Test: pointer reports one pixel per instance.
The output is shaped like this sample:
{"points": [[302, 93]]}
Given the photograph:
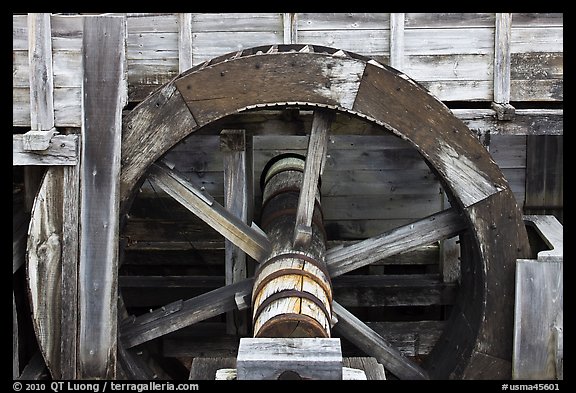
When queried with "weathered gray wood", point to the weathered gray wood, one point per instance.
{"points": [[502, 58], [43, 269], [290, 24], [237, 199], [105, 95], [41, 75], [69, 285], [313, 168], [544, 174], [62, 150], [37, 140], [397, 40], [185, 54], [428, 230], [253, 242], [539, 302], [132, 364], [269, 358], [551, 232], [197, 309], [374, 345], [372, 369]]}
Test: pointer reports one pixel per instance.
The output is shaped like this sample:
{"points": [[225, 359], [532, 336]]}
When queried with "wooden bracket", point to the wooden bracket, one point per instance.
{"points": [[38, 140], [504, 112]]}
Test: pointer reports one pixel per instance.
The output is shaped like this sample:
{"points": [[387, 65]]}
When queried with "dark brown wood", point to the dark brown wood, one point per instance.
{"points": [[373, 344], [193, 310], [104, 89]]}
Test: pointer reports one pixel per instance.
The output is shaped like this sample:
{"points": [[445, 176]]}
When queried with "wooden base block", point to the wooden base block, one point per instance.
{"points": [[298, 358]]}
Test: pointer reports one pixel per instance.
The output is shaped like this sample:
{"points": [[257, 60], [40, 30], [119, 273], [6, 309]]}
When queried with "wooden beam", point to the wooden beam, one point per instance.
{"points": [[290, 27], [159, 322], [374, 345], [502, 38], [192, 197], [185, 53], [551, 232], [397, 40], [41, 75], [436, 227], [315, 160], [237, 200], [69, 284], [104, 96], [62, 150]]}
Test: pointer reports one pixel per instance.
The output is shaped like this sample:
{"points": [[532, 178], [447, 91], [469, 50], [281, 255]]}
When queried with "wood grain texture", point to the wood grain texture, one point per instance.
{"points": [[62, 150], [538, 311], [503, 34], [105, 94]]}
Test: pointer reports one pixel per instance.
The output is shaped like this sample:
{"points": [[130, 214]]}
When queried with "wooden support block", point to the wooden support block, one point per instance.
{"points": [[551, 232], [61, 150], [504, 111], [270, 358], [37, 140]]}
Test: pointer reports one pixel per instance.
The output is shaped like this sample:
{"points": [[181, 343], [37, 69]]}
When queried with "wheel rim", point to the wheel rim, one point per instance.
{"points": [[384, 97]]}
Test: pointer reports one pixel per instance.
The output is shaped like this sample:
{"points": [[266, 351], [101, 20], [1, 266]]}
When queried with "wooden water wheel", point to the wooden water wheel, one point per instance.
{"points": [[476, 339]]}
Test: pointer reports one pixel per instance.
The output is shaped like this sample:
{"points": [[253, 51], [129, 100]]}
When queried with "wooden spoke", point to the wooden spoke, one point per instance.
{"points": [[315, 159], [433, 228], [374, 345], [252, 241], [180, 314]]}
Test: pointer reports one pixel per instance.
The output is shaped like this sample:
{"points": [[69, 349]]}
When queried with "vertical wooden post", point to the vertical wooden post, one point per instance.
{"points": [[503, 33], [41, 75], [185, 55], [397, 40], [237, 197], [69, 288], [104, 96], [290, 29], [41, 94]]}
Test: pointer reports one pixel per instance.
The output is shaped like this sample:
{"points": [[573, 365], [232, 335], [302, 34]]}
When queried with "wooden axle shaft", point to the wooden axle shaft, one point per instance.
{"points": [[292, 295]]}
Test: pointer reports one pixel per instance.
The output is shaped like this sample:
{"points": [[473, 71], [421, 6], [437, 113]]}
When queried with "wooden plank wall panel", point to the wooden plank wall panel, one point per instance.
{"points": [[537, 57], [509, 152], [151, 53], [217, 34], [452, 55], [365, 33]]}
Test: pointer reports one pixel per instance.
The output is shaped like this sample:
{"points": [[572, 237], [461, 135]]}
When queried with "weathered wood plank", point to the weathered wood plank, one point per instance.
{"points": [[44, 266], [372, 369], [192, 311], [538, 309], [537, 39], [428, 230], [449, 20], [69, 285], [313, 168], [438, 41], [207, 209], [372, 43], [41, 74], [290, 27], [62, 150], [144, 130], [343, 21], [269, 358], [397, 40], [237, 200], [105, 94], [237, 22], [502, 60], [551, 232], [185, 54], [356, 331]]}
